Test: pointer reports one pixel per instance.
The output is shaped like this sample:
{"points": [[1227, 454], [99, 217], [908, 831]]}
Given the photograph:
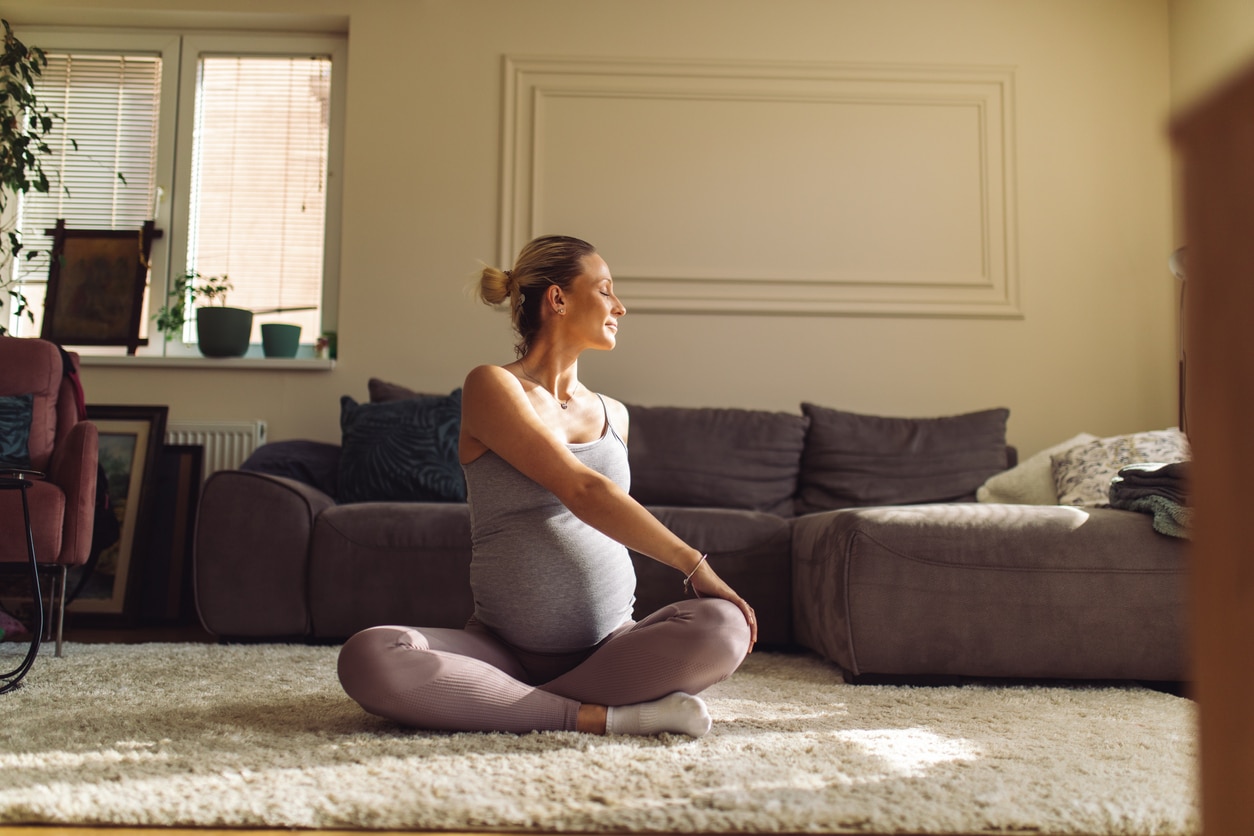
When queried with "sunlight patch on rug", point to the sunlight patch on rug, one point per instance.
{"points": [[909, 752]]}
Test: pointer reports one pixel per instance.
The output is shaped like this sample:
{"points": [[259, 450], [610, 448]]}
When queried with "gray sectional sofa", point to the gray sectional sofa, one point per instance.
{"points": [[854, 536]]}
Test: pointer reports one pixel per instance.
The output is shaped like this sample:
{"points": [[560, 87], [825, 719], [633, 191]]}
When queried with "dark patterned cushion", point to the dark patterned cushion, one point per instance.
{"points": [[853, 461], [401, 451], [15, 418]]}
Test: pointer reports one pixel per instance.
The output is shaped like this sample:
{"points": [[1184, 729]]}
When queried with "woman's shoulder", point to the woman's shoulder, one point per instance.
{"points": [[489, 376]]}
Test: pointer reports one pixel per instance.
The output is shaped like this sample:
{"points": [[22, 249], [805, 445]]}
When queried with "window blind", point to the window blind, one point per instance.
{"points": [[259, 168], [108, 105]]}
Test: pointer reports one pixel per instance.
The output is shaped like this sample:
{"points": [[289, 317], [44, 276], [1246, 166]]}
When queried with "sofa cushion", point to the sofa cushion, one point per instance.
{"points": [[404, 451], [1032, 482], [382, 392], [315, 463], [1082, 474], [15, 418], [715, 458], [750, 550], [853, 460], [389, 563]]}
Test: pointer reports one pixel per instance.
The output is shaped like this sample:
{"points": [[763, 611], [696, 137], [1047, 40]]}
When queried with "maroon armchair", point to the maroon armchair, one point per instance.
{"points": [[62, 447]]}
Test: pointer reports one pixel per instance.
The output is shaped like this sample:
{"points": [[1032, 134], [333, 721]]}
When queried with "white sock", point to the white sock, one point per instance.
{"points": [[678, 712]]}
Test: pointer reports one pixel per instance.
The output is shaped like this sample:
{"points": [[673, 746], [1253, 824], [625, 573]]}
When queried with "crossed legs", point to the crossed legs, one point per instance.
{"points": [[468, 680]]}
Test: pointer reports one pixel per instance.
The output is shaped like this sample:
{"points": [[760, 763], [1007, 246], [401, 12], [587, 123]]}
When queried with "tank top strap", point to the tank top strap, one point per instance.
{"points": [[608, 423]]}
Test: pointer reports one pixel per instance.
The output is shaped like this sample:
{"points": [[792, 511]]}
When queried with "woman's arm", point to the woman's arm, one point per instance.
{"points": [[497, 415]]}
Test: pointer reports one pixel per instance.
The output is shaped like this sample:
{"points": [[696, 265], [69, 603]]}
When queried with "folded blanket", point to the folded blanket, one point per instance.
{"points": [[1158, 489]]}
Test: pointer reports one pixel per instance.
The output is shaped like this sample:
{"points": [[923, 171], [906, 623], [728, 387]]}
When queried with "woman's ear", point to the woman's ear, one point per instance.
{"points": [[556, 298]]}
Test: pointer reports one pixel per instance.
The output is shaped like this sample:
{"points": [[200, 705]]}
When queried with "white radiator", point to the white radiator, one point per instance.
{"points": [[226, 443]]}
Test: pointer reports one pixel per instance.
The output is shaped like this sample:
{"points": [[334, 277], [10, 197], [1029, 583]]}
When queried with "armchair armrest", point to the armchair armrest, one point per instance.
{"points": [[252, 554], [73, 470]]}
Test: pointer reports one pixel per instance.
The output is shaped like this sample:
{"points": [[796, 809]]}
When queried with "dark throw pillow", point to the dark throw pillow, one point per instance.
{"points": [[15, 418], [853, 461], [401, 451], [716, 458], [381, 391], [312, 462]]}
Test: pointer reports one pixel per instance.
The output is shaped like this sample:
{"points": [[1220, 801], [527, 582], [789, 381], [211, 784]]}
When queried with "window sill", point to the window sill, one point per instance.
{"points": [[284, 364]]}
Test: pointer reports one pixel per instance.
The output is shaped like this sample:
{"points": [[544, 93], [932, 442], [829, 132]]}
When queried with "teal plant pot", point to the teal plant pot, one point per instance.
{"points": [[279, 339], [223, 332]]}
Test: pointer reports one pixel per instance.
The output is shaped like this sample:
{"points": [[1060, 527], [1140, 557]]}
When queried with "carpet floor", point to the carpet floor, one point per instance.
{"points": [[262, 736]]}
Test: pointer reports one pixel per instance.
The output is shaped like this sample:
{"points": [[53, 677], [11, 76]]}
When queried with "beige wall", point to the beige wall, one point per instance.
{"points": [[1085, 223], [1211, 40]]}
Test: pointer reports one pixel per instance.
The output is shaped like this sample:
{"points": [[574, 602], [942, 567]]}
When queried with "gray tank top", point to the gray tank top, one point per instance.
{"points": [[543, 579]]}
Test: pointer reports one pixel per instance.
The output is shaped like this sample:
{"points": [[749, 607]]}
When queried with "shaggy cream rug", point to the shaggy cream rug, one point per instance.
{"points": [[243, 736]]}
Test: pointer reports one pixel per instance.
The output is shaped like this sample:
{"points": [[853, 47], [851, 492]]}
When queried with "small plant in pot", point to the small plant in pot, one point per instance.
{"points": [[221, 331]]}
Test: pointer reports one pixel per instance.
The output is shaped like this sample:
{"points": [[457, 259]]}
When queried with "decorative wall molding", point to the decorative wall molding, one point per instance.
{"points": [[749, 187]]}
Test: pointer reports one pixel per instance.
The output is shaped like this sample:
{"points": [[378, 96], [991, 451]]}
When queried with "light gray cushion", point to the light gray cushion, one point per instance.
{"points": [[1031, 482], [715, 458], [853, 460]]}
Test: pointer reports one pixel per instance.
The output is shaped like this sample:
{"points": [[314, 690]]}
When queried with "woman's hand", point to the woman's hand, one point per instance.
{"points": [[706, 583]]}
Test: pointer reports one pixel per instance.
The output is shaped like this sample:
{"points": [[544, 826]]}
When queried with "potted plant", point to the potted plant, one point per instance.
{"points": [[221, 331]]}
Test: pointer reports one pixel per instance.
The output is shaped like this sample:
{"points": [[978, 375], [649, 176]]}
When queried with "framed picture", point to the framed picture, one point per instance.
{"points": [[96, 285], [131, 438], [165, 586]]}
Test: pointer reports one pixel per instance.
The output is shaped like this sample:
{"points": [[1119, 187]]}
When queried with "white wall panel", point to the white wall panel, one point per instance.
{"points": [[857, 188]]}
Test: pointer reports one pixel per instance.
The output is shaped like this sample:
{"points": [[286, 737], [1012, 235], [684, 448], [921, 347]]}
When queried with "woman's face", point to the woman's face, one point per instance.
{"points": [[591, 306]]}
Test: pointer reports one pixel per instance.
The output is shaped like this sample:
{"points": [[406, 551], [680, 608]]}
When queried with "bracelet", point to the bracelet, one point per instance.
{"points": [[688, 579]]}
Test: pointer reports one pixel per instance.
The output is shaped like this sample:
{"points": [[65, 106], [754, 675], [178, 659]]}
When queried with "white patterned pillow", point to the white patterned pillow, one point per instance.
{"points": [[1082, 474]]}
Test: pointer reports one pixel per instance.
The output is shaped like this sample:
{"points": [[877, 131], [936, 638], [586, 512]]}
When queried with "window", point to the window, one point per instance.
{"points": [[230, 142]]}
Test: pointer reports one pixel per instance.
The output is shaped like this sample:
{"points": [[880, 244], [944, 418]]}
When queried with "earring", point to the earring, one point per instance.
{"points": [[562, 311]]}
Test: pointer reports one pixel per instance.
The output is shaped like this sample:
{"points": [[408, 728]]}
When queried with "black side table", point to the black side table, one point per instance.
{"points": [[19, 479]]}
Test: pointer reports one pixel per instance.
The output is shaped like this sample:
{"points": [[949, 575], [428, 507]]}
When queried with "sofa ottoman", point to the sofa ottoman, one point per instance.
{"points": [[991, 590]]}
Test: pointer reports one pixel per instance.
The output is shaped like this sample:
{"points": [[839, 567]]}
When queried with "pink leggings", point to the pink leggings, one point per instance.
{"points": [[471, 680]]}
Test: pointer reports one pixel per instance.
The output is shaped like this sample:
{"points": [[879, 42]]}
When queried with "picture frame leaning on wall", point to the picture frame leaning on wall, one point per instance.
{"points": [[131, 439]]}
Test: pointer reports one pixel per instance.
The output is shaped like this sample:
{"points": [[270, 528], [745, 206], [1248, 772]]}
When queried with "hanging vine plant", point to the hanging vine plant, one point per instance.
{"points": [[24, 126]]}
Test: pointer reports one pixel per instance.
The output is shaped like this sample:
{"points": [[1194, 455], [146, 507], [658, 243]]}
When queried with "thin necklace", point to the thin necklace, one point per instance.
{"points": [[561, 403]]}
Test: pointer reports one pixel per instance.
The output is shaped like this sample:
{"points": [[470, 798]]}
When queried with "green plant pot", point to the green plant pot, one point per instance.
{"points": [[279, 339], [223, 332]]}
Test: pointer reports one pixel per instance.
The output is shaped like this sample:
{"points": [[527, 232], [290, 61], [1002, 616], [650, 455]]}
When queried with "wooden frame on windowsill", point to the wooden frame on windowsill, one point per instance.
{"points": [[96, 284]]}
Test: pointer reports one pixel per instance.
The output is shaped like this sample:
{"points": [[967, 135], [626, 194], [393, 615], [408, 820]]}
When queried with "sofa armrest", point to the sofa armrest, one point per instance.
{"points": [[73, 470], [252, 554]]}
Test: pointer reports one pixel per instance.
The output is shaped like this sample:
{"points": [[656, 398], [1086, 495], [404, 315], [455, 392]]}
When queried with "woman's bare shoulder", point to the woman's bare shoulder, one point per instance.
{"points": [[489, 374], [490, 382], [491, 398]]}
